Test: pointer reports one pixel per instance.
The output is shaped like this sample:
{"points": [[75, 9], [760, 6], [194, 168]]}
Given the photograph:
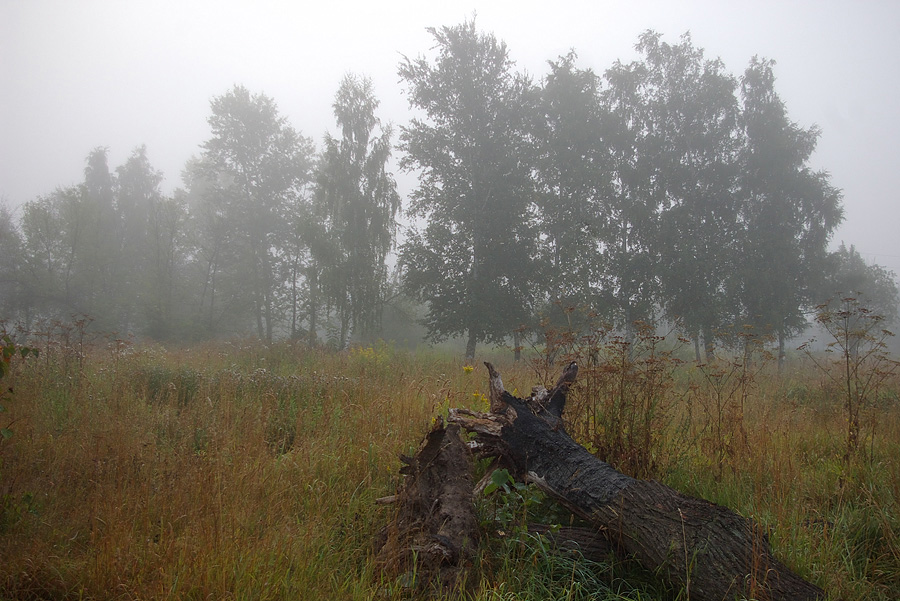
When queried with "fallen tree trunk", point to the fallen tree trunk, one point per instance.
{"points": [[709, 550]]}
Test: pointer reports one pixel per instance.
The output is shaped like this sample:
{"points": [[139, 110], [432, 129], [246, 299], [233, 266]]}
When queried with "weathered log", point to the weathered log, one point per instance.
{"points": [[709, 550], [586, 542], [434, 532]]}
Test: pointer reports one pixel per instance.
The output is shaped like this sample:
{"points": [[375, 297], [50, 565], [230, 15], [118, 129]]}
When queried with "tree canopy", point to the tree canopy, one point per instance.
{"points": [[471, 261], [661, 189]]}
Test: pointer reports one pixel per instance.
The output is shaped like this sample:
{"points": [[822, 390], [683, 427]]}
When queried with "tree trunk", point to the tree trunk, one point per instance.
{"points": [[707, 549], [781, 352], [313, 303], [470, 345], [709, 343]]}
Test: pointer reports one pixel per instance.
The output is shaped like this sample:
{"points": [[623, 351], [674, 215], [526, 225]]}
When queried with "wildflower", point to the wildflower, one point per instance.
{"points": [[468, 369]]}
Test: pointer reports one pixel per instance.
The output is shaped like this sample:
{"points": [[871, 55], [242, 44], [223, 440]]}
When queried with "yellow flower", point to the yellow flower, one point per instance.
{"points": [[468, 369]]}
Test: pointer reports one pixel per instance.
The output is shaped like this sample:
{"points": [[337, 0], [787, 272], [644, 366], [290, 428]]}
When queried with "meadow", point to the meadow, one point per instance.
{"points": [[236, 470]]}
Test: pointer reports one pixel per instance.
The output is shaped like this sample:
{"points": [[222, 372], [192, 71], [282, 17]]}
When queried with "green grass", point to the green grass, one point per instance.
{"points": [[241, 471]]}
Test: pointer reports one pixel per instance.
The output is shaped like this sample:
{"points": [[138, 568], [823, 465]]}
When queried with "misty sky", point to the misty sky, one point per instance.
{"points": [[82, 73]]}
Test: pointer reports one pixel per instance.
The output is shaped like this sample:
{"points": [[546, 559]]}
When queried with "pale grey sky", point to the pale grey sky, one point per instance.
{"points": [[78, 74]]}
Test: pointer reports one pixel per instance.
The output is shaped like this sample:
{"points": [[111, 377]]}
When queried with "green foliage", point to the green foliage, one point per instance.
{"points": [[359, 197], [254, 166], [532, 570], [790, 212], [9, 351], [848, 275], [572, 178], [472, 261], [691, 112], [513, 504]]}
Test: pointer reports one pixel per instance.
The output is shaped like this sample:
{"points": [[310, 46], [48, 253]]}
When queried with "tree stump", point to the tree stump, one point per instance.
{"points": [[433, 534]]}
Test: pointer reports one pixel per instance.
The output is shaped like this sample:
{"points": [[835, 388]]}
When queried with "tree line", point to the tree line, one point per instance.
{"points": [[663, 188]]}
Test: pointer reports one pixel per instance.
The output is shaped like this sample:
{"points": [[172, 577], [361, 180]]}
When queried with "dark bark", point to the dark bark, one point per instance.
{"points": [[707, 549], [434, 532], [470, 345], [587, 542]]}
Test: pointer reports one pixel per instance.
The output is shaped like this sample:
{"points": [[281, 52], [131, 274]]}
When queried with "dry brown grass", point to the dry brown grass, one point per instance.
{"points": [[242, 471]]}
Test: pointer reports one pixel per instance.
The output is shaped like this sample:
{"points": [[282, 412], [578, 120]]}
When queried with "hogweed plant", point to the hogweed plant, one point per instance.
{"points": [[856, 361], [722, 389], [622, 405]]}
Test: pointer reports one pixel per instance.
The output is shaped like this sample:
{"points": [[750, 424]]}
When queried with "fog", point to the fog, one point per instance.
{"points": [[118, 76], [76, 75]]}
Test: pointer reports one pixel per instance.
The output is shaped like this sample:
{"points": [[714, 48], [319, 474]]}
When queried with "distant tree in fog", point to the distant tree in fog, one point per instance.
{"points": [[358, 197], [471, 262], [54, 227], [11, 265], [788, 214], [137, 193], [654, 189], [690, 139], [572, 172], [848, 275], [254, 163], [99, 270]]}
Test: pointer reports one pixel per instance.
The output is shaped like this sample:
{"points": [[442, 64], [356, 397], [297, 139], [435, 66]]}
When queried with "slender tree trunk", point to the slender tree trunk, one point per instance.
{"points": [[313, 303], [708, 343], [268, 298], [470, 345], [780, 351], [294, 298]]}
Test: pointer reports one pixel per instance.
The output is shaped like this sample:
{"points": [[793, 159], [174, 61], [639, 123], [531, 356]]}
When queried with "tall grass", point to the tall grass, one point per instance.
{"points": [[245, 471]]}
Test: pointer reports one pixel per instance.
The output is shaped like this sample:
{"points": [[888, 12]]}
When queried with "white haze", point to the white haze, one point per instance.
{"points": [[79, 74]]}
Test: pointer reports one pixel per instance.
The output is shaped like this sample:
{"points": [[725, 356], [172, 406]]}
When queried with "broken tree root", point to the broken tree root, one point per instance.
{"points": [[433, 534]]}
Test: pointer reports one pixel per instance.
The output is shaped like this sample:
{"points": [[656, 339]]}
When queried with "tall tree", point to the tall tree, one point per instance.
{"points": [[137, 191], [100, 268], [472, 261], [693, 110], [214, 265], [263, 161], [54, 228], [789, 211], [359, 196], [630, 230], [166, 254], [572, 174]]}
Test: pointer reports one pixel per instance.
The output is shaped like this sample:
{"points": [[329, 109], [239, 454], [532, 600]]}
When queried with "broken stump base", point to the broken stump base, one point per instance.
{"points": [[433, 535]]}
